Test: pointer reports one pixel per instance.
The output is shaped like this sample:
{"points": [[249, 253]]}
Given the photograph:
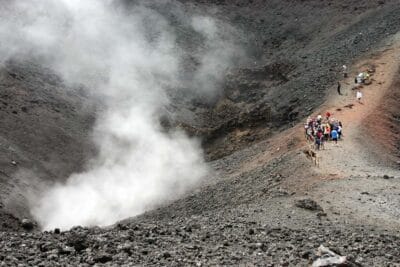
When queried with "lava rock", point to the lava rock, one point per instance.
{"points": [[27, 224], [78, 242], [65, 250], [102, 258], [308, 204]]}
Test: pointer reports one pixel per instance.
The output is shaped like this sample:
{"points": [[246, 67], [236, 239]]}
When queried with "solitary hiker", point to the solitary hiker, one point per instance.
{"points": [[344, 70], [359, 96], [338, 88]]}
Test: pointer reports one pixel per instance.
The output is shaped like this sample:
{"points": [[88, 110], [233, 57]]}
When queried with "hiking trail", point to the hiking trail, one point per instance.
{"points": [[352, 155], [361, 183]]}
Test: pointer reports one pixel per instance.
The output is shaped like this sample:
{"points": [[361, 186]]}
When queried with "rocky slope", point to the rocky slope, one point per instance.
{"points": [[264, 203]]}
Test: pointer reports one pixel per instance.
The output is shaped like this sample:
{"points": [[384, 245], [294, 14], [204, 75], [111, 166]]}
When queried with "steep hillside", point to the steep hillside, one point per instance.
{"points": [[263, 202]]}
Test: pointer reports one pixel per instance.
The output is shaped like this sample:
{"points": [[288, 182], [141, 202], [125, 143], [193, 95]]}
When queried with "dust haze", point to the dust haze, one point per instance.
{"points": [[129, 57]]}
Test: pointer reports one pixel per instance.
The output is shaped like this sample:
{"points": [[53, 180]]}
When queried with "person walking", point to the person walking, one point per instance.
{"points": [[344, 71], [334, 135], [359, 96], [327, 115], [318, 139], [338, 88]]}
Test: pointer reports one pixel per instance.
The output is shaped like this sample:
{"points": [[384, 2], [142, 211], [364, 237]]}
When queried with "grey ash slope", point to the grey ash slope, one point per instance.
{"points": [[45, 133]]}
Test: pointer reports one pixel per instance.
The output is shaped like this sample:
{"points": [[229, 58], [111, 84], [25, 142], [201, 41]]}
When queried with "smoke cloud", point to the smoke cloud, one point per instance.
{"points": [[130, 57]]}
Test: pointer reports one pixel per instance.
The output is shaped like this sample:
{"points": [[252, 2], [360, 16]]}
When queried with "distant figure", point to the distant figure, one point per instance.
{"points": [[359, 96], [338, 88], [344, 70], [327, 115], [319, 119], [334, 135], [360, 78], [327, 131], [318, 139]]}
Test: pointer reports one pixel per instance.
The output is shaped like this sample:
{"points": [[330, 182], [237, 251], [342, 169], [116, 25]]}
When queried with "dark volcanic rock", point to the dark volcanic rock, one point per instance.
{"points": [[308, 204], [27, 224], [102, 258], [78, 241]]}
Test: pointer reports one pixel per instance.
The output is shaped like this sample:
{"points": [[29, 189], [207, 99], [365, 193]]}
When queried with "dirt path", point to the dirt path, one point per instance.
{"points": [[352, 156], [357, 184], [349, 182]]}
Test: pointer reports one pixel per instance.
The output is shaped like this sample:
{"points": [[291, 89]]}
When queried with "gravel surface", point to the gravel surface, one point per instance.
{"points": [[209, 239]]}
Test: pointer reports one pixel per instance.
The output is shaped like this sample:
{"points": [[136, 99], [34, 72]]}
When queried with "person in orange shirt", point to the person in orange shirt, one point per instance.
{"points": [[327, 131]]}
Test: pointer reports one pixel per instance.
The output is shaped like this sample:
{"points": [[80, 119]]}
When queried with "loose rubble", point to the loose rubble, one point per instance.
{"points": [[200, 240]]}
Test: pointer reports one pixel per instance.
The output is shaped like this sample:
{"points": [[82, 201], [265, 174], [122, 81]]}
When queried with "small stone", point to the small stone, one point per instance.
{"points": [[306, 254], [57, 231], [78, 241], [389, 256], [65, 250], [308, 204], [27, 224], [102, 258]]}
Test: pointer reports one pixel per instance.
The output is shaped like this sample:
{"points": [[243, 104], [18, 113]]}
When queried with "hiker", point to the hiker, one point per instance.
{"points": [[339, 131], [309, 134], [334, 135], [360, 78], [327, 131], [318, 139], [327, 115], [338, 88], [344, 70], [359, 96]]}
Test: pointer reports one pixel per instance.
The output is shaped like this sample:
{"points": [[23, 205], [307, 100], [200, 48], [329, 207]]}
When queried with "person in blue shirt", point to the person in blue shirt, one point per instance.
{"points": [[334, 135]]}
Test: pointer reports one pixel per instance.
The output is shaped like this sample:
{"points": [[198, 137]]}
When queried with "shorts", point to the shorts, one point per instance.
{"points": [[334, 139]]}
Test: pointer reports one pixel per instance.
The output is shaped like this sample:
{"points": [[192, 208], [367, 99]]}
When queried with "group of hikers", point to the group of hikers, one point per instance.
{"points": [[321, 129]]}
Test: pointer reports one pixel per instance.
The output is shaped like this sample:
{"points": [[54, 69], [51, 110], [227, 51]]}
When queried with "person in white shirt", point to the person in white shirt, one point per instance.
{"points": [[359, 96], [344, 70]]}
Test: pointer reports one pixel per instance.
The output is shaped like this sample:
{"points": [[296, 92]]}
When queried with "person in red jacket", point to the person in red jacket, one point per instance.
{"points": [[327, 115]]}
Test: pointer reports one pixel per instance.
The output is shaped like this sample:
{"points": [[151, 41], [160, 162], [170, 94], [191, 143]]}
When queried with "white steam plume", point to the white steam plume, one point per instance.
{"points": [[131, 57]]}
